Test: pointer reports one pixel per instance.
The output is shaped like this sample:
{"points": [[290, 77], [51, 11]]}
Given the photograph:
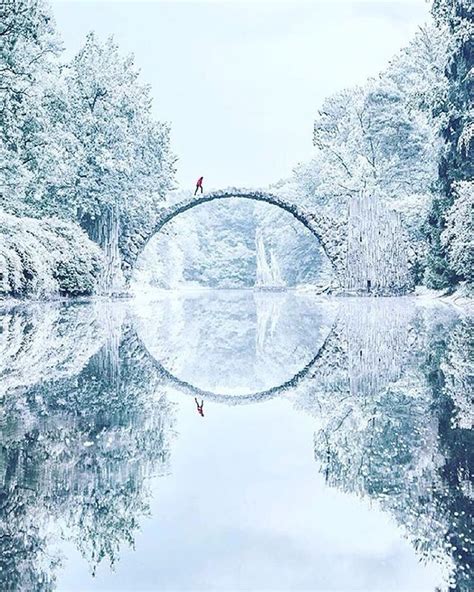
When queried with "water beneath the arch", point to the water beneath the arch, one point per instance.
{"points": [[236, 440]]}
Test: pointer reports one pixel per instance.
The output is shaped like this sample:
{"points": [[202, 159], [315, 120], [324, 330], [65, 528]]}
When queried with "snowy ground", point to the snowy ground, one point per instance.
{"points": [[463, 296]]}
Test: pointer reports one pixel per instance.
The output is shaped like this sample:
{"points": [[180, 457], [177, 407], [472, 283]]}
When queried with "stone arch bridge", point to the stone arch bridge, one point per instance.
{"points": [[319, 225], [366, 243]]}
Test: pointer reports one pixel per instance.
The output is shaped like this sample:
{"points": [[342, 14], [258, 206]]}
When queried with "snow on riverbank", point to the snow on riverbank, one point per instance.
{"points": [[463, 296]]}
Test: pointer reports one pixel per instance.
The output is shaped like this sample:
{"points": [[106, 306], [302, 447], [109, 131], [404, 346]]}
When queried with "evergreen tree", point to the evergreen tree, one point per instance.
{"points": [[457, 163], [458, 236]]}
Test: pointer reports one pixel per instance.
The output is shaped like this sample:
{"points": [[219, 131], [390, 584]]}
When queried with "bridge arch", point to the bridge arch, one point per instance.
{"points": [[310, 221]]}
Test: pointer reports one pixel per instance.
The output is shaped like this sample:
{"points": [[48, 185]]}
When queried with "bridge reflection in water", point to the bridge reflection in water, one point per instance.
{"points": [[87, 417]]}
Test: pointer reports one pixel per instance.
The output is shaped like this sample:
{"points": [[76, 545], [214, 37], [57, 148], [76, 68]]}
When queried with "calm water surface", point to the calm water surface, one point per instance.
{"points": [[333, 451]]}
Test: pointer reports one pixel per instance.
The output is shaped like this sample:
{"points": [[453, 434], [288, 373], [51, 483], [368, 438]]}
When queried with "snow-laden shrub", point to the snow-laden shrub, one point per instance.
{"points": [[45, 258]]}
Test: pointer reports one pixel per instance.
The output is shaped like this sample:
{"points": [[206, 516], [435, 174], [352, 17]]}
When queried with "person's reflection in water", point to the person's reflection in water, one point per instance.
{"points": [[199, 407]]}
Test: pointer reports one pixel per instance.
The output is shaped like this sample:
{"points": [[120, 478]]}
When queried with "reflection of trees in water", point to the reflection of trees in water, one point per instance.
{"points": [[458, 373], [75, 456], [392, 388], [405, 437], [47, 341], [450, 376]]}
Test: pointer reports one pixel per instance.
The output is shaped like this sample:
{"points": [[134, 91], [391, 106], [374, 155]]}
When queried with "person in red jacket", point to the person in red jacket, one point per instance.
{"points": [[199, 185], [200, 409]]}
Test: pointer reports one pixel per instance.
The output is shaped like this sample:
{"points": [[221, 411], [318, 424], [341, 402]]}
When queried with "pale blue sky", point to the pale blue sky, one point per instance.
{"points": [[241, 82]]}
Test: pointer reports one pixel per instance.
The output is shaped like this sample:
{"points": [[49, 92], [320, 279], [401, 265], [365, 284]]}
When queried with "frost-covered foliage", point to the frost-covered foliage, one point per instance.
{"points": [[32, 140], [457, 125], [122, 157], [387, 137], [77, 140], [382, 138], [123, 164], [458, 17], [380, 135], [46, 257], [458, 236], [370, 139]]}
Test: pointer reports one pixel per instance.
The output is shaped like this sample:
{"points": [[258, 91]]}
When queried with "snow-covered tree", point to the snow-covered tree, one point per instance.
{"points": [[383, 137], [77, 142], [31, 156], [458, 236], [457, 163], [123, 163], [458, 17], [371, 140]]}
